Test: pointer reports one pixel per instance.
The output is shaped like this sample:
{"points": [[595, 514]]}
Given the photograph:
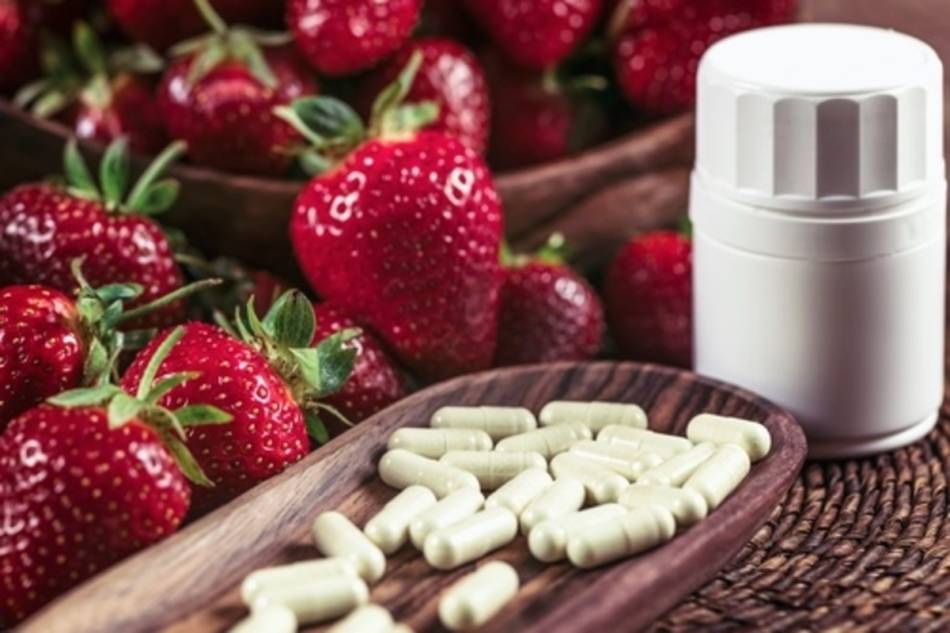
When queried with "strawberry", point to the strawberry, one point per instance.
{"points": [[657, 44], [446, 18], [270, 381], [341, 37], [538, 34], [649, 298], [219, 98], [402, 230], [43, 227], [161, 23], [21, 24], [549, 313], [450, 76]]}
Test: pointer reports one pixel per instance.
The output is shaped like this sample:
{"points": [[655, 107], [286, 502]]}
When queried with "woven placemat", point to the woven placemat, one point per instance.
{"points": [[858, 545]]}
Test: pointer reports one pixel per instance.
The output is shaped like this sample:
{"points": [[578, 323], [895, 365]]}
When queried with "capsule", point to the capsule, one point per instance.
{"points": [[687, 506], [470, 538], [370, 618], [548, 441], [627, 462], [401, 469], [634, 532], [593, 415], [563, 497], [547, 541], [660, 443], [270, 577], [389, 529], [435, 443], [751, 437], [720, 475], [316, 600], [273, 619], [335, 535], [493, 469], [677, 469], [498, 422], [460, 504], [478, 597], [602, 485], [520, 491]]}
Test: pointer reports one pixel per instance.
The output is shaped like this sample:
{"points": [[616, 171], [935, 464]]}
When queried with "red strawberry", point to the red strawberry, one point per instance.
{"points": [[44, 227], [21, 23], [658, 43], [549, 313], [127, 109], [161, 23], [450, 76], [538, 34], [341, 37], [649, 298]]}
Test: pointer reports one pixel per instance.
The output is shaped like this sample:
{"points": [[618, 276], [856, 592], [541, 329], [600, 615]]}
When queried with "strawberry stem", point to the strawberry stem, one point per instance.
{"points": [[171, 297], [211, 17], [141, 189]]}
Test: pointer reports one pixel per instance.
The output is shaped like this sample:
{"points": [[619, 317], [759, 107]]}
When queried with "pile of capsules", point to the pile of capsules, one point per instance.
{"points": [[639, 487]]}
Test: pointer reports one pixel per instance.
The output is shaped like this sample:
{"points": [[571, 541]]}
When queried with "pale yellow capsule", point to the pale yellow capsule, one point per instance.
{"points": [[751, 437], [593, 415], [677, 469], [493, 469], [316, 600], [273, 619], [720, 475], [660, 443], [401, 469], [498, 422], [563, 497], [548, 441], [335, 535], [271, 577], [451, 509], [470, 538], [687, 506], [478, 597], [435, 443], [370, 618], [627, 462], [520, 491], [389, 529], [632, 533], [547, 541], [602, 485]]}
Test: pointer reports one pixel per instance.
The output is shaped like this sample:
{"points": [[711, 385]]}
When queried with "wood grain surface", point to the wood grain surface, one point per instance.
{"points": [[188, 583]]}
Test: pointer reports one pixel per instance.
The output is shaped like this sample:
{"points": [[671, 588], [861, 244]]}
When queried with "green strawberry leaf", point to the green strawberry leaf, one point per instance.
{"points": [[118, 292], [244, 48], [114, 173], [143, 188], [158, 198], [206, 61], [330, 119], [409, 118], [151, 370], [166, 384], [171, 297], [257, 328], [316, 428], [89, 49], [201, 415], [97, 364], [395, 93], [185, 460], [326, 367], [84, 397], [122, 409], [138, 59], [78, 177], [290, 320]]}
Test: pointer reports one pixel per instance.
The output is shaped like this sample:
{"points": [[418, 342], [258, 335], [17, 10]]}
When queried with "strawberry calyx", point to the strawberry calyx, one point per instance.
{"points": [[554, 252], [123, 408], [332, 129]]}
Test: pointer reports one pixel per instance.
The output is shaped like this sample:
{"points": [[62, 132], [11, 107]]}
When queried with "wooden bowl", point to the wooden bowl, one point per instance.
{"points": [[597, 199], [188, 583]]}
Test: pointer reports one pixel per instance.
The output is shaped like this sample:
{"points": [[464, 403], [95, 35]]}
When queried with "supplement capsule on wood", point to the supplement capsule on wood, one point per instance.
{"points": [[476, 598], [316, 600], [520, 491], [498, 422], [564, 496], [335, 535], [593, 415], [435, 443], [493, 469], [687, 506], [677, 469], [632, 533], [548, 441], [547, 541], [401, 469], [270, 577], [660, 443], [602, 485], [273, 619], [470, 538], [720, 474], [751, 437], [370, 618], [389, 529], [627, 462], [451, 509]]}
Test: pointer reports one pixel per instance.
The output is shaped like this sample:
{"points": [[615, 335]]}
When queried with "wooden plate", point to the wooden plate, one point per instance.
{"points": [[189, 583]]}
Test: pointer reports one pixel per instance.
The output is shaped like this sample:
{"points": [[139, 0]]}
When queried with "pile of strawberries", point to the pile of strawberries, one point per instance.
{"points": [[142, 384]]}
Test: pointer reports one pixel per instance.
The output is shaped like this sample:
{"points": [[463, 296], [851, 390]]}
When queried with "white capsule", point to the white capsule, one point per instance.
{"points": [[547, 541], [335, 535], [632, 533], [662, 444], [389, 529], [627, 462], [687, 506], [478, 597], [720, 475], [401, 469], [498, 422], [449, 510], [548, 441], [316, 600], [564, 496], [470, 538], [271, 577], [273, 619], [677, 469], [493, 469], [593, 415], [370, 618], [435, 443], [520, 491], [401, 628], [751, 437], [602, 485]]}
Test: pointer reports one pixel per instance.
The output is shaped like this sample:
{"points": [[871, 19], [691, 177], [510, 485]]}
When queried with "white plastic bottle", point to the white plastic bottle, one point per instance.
{"points": [[819, 208]]}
